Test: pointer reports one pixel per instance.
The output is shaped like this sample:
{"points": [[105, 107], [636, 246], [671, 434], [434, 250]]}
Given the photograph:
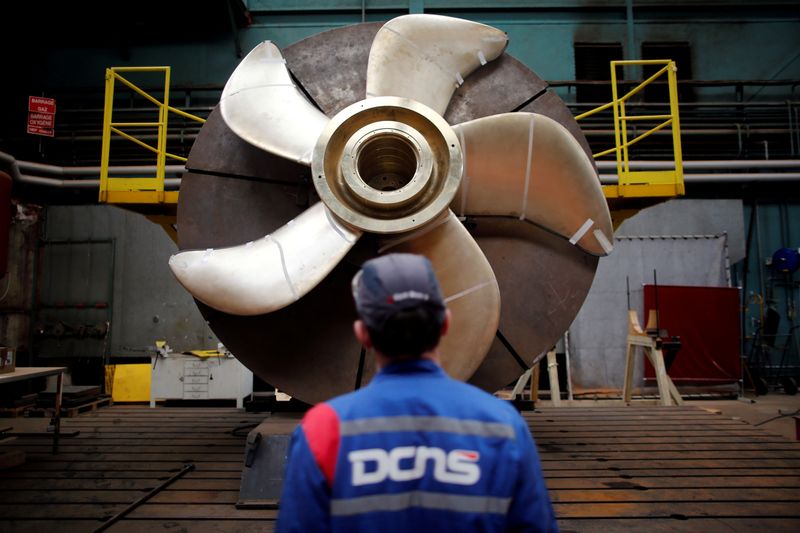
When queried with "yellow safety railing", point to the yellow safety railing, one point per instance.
{"points": [[638, 184], [137, 190]]}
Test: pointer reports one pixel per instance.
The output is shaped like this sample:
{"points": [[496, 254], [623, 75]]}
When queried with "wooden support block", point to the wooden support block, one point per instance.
{"points": [[552, 369], [519, 389], [629, 364], [668, 393], [657, 360]]}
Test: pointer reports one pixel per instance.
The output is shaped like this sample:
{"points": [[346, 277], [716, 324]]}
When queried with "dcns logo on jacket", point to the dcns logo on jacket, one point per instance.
{"points": [[406, 463]]}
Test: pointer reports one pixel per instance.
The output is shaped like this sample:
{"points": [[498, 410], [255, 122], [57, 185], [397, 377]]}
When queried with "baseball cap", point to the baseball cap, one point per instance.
{"points": [[395, 282]]}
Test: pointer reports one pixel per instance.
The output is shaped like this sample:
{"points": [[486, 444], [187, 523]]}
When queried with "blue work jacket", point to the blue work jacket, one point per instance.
{"points": [[414, 451]]}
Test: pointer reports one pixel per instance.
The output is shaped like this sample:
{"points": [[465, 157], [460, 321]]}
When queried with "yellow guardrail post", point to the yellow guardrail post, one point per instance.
{"points": [[138, 190], [615, 107], [639, 184], [106, 142], [163, 110], [672, 79]]}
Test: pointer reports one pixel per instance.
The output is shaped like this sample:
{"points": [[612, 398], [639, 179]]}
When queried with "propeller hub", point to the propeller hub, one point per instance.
{"points": [[387, 165]]}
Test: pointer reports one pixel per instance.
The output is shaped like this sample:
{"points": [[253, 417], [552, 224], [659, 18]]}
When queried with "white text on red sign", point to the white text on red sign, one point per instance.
{"points": [[36, 130], [42, 120], [40, 104]]}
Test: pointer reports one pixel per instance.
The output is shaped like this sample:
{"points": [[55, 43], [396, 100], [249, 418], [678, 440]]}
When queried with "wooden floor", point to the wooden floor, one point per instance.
{"points": [[608, 469]]}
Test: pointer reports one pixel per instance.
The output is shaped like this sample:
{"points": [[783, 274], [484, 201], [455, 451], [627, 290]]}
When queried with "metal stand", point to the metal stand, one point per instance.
{"points": [[264, 464]]}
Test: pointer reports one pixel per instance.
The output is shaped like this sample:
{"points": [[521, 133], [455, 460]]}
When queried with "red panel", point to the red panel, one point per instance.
{"points": [[707, 321]]}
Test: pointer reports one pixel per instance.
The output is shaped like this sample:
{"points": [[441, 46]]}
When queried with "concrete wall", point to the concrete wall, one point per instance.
{"points": [[17, 286], [650, 240], [146, 302], [733, 40]]}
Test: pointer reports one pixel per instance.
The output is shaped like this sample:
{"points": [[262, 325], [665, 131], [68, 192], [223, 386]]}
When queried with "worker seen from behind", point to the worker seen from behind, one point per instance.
{"points": [[415, 450]]}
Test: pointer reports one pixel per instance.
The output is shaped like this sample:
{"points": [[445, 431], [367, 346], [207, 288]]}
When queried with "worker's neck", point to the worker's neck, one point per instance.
{"points": [[383, 361]]}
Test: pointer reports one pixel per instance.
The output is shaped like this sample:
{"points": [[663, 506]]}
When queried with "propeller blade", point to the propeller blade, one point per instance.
{"points": [[427, 57], [529, 166], [270, 273], [468, 285], [263, 106]]}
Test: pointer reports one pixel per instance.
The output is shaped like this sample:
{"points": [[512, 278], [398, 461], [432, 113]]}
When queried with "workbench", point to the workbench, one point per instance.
{"points": [[23, 373]]}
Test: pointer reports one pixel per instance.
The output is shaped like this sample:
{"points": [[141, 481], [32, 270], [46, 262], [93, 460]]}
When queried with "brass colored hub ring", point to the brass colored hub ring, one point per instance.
{"points": [[384, 163], [387, 165]]}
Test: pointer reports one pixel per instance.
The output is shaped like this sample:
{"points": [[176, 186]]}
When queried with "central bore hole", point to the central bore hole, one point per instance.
{"points": [[387, 162]]}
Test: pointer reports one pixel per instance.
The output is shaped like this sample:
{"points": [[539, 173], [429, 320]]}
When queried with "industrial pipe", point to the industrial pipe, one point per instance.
{"points": [[73, 171], [15, 166]]}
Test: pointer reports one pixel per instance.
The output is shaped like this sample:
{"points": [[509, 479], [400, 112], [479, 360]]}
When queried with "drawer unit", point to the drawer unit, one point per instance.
{"points": [[186, 377]]}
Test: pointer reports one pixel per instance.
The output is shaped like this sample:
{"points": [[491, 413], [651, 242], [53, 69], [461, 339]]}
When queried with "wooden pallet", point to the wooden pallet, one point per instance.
{"points": [[14, 412], [607, 469], [74, 411]]}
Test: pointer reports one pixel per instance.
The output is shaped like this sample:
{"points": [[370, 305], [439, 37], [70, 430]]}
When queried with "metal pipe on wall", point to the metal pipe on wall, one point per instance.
{"points": [[15, 166], [74, 171], [78, 183]]}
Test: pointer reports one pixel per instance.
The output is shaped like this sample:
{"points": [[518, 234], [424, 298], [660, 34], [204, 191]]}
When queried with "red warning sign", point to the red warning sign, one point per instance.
{"points": [[42, 120], [41, 115], [40, 104]]}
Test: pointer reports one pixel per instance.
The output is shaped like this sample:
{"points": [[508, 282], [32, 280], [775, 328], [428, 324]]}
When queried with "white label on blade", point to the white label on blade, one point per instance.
{"points": [[581, 231]]}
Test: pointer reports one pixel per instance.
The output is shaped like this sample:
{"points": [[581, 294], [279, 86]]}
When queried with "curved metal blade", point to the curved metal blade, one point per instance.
{"points": [[270, 273], [529, 166], [469, 287], [263, 106], [426, 57]]}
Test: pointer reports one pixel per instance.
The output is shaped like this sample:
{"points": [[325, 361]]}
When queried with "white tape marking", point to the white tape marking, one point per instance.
{"points": [[581, 231], [527, 172], [465, 292], [603, 241]]}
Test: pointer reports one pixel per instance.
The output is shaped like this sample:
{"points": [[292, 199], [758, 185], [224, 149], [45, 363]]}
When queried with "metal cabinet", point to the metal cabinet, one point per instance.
{"points": [[186, 377]]}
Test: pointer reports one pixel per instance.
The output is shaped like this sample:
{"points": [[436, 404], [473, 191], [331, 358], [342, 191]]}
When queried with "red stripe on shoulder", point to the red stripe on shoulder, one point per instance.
{"points": [[321, 428]]}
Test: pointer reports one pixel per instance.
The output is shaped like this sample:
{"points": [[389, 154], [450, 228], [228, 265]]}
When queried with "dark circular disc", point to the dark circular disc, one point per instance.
{"points": [[543, 281], [234, 193]]}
